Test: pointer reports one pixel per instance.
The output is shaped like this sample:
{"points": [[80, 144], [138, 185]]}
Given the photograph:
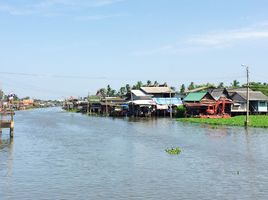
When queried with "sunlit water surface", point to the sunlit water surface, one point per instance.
{"points": [[59, 155]]}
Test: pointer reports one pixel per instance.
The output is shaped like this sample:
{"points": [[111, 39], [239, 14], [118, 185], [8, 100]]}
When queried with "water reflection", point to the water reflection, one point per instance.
{"points": [[60, 155], [6, 156]]}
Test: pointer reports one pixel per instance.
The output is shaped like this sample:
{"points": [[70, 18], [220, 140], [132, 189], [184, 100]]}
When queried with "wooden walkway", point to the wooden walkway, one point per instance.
{"points": [[7, 121]]}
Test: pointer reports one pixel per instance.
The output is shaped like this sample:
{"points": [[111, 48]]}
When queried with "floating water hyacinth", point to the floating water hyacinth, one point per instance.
{"points": [[173, 151]]}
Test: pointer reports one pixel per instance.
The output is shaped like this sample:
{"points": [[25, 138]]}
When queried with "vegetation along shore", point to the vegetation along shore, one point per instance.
{"points": [[257, 121]]}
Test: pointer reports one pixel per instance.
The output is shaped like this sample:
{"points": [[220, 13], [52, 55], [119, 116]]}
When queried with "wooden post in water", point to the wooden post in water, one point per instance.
{"points": [[7, 123], [11, 130]]}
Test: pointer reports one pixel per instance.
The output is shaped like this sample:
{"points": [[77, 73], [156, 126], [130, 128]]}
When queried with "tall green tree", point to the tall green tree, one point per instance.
{"points": [[122, 92], [149, 83], [128, 88], [1, 94], [139, 85], [191, 86], [109, 90], [182, 89], [221, 85], [156, 84], [235, 84]]}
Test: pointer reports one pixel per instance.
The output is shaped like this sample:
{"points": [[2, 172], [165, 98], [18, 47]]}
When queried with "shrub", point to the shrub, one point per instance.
{"points": [[181, 111]]}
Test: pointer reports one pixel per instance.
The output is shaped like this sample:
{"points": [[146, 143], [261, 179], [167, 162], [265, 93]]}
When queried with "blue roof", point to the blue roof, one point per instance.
{"points": [[168, 101]]}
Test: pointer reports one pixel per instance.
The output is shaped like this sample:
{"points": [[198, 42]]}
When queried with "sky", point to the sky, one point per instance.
{"points": [[53, 49]]}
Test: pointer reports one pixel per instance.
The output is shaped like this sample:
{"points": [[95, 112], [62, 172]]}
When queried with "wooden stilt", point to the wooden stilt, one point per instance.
{"points": [[7, 123]]}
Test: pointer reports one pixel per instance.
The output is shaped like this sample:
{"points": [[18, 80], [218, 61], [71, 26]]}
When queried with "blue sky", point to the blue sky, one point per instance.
{"points": [[58, 48]]}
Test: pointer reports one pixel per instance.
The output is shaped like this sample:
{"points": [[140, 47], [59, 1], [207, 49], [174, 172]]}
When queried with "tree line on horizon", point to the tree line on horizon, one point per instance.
{"points": [[126, 89]]}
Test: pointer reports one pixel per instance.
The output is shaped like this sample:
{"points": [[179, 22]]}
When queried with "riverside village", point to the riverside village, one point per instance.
{"points": [[159, 100], [156, 100], [133, 100]]}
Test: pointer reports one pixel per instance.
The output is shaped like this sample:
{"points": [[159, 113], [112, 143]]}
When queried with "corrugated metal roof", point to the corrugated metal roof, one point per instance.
{"points": [[139, 93], [253, 96], [218, 93], [157, 90], [167, 101], [195, 96]]}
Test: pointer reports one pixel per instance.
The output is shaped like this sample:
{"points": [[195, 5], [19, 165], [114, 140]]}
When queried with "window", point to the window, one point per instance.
{"points": [[262, 104]]}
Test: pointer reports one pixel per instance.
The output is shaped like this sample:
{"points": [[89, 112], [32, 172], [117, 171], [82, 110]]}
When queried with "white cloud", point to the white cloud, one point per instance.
{"points": [[212, 40]]}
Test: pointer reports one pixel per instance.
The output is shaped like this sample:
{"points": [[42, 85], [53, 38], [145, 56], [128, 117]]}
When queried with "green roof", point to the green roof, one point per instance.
{"points": [[195, 96]]}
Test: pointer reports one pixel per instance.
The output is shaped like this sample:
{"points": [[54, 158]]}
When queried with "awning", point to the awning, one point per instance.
{"points": [[143, 102], [168, 101], [162, 107]]}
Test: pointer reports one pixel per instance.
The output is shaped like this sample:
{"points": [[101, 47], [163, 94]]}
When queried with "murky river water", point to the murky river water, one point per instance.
{"points": [[58, 155]]}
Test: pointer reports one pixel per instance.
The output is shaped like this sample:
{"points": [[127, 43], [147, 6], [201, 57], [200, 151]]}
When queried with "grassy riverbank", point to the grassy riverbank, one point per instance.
{"points": [[260, 121]]}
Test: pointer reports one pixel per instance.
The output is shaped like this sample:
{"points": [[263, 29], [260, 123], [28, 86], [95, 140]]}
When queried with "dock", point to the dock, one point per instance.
{"points": [[7, 121]]}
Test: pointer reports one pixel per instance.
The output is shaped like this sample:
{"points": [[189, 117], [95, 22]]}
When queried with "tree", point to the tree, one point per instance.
{"points": [[235, 84], [26, 98], [122, 92], [182, 89], [1, 94], [156, 84], [108, 90], [191, 86], [128, 88], [102, 92], [149, 83], [139, 85], [221, 85]]}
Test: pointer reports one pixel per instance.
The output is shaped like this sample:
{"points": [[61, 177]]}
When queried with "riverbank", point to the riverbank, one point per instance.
{"points": [[257, 121]]}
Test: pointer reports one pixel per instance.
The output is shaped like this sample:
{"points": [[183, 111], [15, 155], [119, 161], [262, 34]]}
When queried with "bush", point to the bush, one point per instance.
{"points": [[181, 111]]}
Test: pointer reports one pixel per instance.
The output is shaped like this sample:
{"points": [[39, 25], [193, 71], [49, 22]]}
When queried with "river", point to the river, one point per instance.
{"points": [[59, 155]]}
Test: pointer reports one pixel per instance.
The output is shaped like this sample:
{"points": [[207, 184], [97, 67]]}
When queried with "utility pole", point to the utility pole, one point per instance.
{"points": [[88, 103], [170, 104], [247, 116], [106, 103]]}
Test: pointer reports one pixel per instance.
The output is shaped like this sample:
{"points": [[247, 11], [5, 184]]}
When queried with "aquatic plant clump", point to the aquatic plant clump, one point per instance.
{"points": [[173, 151]]}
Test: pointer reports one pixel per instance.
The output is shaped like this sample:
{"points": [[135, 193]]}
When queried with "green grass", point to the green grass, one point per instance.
{"points": [[258, 121]]}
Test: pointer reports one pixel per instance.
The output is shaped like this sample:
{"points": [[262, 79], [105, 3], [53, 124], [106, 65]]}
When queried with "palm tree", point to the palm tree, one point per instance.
{"points": [[221, 85], [109, 90], [149, 83], [156, 84], [235, 84], [128, 88], [1, 94], [191, 86], [182, 90], [122, 91], [139, 85]]}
